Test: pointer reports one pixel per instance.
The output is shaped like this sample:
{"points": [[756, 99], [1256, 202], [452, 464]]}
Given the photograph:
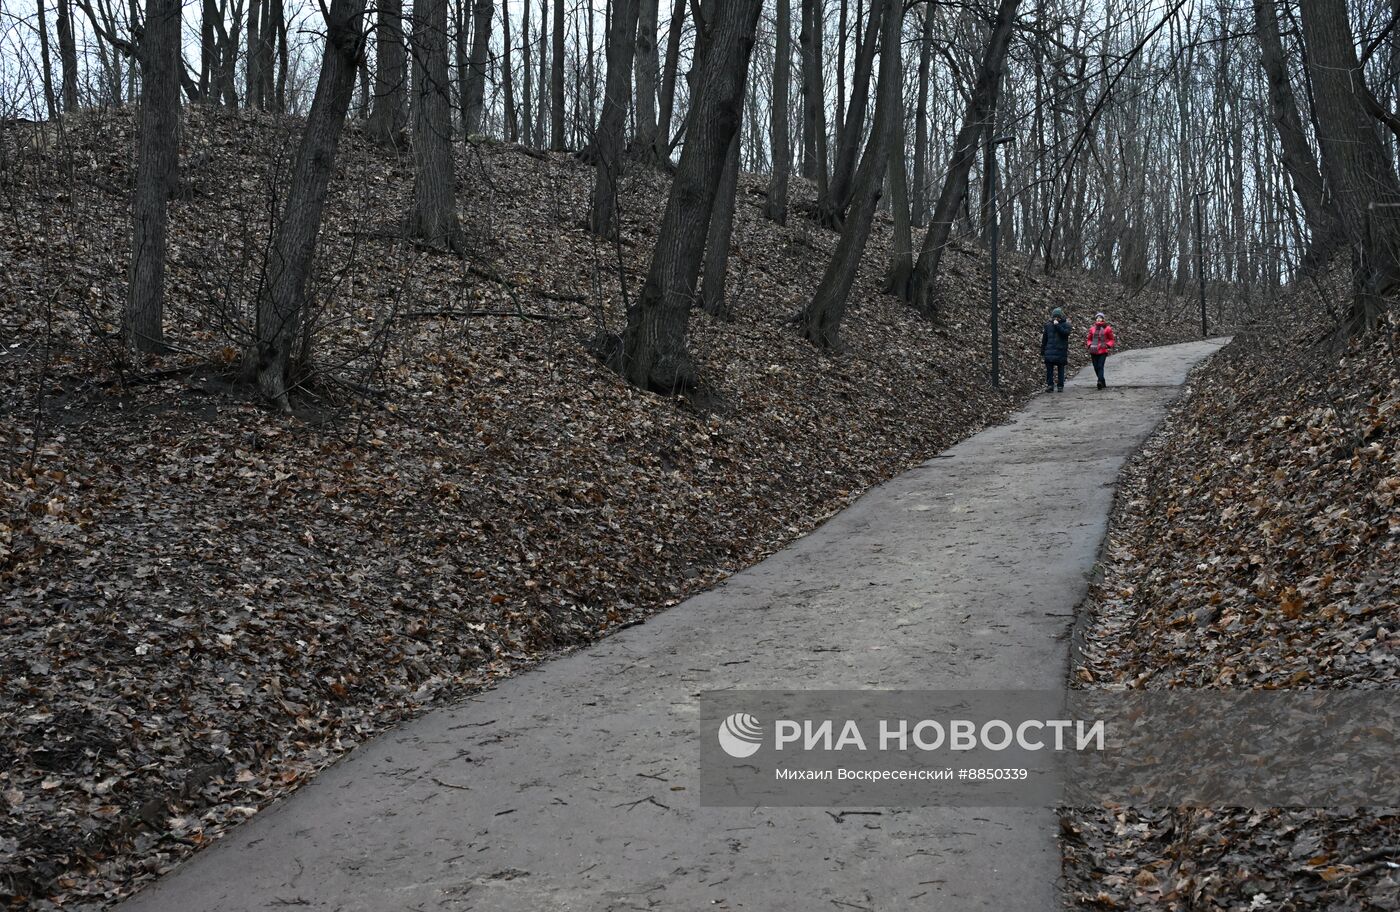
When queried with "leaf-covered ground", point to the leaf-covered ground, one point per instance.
{"points": [[1256, 544], [203, 603]]}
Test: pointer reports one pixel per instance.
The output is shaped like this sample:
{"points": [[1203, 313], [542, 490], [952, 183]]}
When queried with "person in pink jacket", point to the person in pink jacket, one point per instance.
{"points": [[1100, 345]]}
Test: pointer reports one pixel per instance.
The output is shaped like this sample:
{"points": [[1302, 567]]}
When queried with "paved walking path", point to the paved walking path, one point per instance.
{"points": [[962, 573]]}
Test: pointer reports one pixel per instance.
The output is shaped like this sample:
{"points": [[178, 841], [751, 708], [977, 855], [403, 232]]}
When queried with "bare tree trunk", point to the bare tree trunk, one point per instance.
{"points": [[461, 44], [1298, 160], [282, 306], [653, 352], [208, 48], [541, 108], [776, 205], [67, 56], [608, 142], [644, 144], [902, 253], [721, 232], [556, 85], [920, 289], [434, 215], [389, 117], [820, 322], [1363, 183], [848, 141], [45, 62], [267, 42], [527, 72], [476, 74], [511, 129], [252, 75], [283, 55], [919, 202], [814, 164], [158, 55], [666, 103]]}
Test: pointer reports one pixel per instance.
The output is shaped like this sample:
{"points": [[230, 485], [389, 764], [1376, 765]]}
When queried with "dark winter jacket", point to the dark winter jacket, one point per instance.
{"points": [[1054, 342]]}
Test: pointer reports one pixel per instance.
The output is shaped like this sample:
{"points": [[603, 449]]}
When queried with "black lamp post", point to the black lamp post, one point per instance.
{"points": [[995, 239], [1201, 262]]}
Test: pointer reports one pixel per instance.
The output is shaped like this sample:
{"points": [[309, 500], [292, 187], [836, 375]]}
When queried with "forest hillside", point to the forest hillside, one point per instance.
{"points": [[205, 602]]}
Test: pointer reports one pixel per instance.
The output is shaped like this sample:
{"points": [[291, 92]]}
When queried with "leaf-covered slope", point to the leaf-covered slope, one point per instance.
{"points": [[1257, 544]]}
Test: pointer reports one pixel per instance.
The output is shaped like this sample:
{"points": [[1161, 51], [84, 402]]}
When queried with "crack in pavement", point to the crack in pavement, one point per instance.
{"points": [[962, 573]]}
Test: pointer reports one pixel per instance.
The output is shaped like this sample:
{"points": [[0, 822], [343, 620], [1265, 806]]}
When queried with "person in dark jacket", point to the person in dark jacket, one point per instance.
{"points": [[1054, 348]]}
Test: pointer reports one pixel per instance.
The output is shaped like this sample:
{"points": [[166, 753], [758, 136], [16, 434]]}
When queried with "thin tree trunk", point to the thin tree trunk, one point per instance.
{"points": [[50, 101], [820, 322], [527, 72], [666, 104], [67, 56], [473, 103], [541, 108], [721, 232], [461, 43], [556, 85], [814, 164], [653, 351], [776, 205], [608, 142], [919, 216], [511, 129], [281, 310], [902, 254], [842, 39], [648, 67], [851, 133], [156, 165], [434, 215], [251, 71], [920, 289], [389, 117]]}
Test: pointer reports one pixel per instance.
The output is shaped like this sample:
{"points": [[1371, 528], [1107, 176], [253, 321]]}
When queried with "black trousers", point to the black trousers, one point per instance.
{"points": [[1050, 371], [1098, 365]]}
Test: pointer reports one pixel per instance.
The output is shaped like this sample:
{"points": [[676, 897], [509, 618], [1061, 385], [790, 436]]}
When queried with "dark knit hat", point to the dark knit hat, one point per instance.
{"points": [[1057, 312]]}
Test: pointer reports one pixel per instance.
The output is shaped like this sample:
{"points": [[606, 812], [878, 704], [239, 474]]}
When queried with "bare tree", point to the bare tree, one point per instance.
{"points": [[475, 97], [833, 205], [556, 82], [281, 308], [389, 115], [814, 164], [648, 69], [776, 205], [820, 322], [721, 232], [919, 194], [67, 55], [158, 55], [653, 354], [919, 290], [607, 145], [434, 216], [667, 101], [1365, 186]]}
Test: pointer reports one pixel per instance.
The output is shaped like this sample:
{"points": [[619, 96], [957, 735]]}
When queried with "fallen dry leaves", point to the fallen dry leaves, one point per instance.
{"points": [[1256, 544]]}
